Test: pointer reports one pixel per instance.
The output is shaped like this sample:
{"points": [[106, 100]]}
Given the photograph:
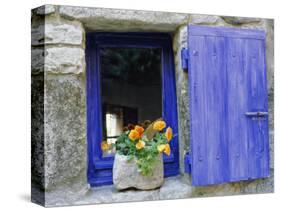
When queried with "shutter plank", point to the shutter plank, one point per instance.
{"points": [[208, 87], [257, 101], [237, 104], [198, 121], [216, 109]]}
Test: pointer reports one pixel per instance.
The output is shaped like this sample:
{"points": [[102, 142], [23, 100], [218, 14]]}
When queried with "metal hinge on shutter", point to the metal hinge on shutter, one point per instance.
{"points": [[184, 59], [187, 163]]}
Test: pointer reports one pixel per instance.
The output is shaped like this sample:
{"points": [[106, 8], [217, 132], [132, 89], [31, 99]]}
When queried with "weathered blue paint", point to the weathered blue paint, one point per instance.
{"points": [[99, 168], [227, 76]]}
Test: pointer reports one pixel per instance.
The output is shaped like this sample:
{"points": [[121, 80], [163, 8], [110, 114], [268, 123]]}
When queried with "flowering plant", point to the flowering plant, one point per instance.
{"points": [[145, 144]]}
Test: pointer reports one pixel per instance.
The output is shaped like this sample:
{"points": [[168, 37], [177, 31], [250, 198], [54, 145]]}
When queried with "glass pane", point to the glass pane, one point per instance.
{"points": [[131, 89]]}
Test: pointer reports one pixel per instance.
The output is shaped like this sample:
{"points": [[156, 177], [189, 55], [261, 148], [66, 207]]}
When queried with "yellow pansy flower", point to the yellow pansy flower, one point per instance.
{"points": [[167, 149], [140, 144], [159, 125], [104, 146], [161, 147]]}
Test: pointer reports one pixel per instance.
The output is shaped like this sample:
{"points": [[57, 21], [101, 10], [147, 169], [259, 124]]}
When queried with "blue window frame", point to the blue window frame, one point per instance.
{"points": [[100, 168]]}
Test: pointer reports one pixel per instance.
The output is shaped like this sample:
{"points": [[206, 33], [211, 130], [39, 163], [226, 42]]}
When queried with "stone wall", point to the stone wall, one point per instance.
{"points": [[58, 65], [59, 150]]}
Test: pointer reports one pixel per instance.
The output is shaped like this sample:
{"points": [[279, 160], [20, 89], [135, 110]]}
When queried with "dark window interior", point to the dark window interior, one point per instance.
{"points": [[131, 88]]}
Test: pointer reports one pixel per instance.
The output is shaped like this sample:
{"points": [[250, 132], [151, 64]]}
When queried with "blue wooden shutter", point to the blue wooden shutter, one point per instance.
{"points": [[227, 78]]}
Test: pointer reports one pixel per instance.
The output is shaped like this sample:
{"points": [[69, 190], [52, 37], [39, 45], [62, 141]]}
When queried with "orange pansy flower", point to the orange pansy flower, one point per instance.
{"points": [[139, 129], [133, 135], [169, 133]]}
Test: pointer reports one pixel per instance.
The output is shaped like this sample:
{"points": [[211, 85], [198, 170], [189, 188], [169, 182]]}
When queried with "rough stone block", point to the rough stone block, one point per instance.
{"points": [[37, 130], [45, 9], [65, 133], [265, 185], [124, 20], [217, 190], [57, 31], [240, 20], [37, 60], [175, 189], [269, 27], [204, 19], [180, 41], [63, 60]]}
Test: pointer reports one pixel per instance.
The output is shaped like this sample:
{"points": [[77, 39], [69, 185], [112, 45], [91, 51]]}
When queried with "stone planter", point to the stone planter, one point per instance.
{"points": [[126, 174]]}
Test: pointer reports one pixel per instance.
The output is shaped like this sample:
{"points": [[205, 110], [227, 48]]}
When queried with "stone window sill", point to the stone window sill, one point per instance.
{"points": [[173, 188]]}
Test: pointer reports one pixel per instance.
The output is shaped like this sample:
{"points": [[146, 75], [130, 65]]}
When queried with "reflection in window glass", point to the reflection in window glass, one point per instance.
{"points": [[114, 124], [131, 89]]}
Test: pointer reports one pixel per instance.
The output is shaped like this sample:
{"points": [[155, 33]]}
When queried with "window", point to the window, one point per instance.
{"points": [[131, 90], [228, 98], [130, 80]]}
